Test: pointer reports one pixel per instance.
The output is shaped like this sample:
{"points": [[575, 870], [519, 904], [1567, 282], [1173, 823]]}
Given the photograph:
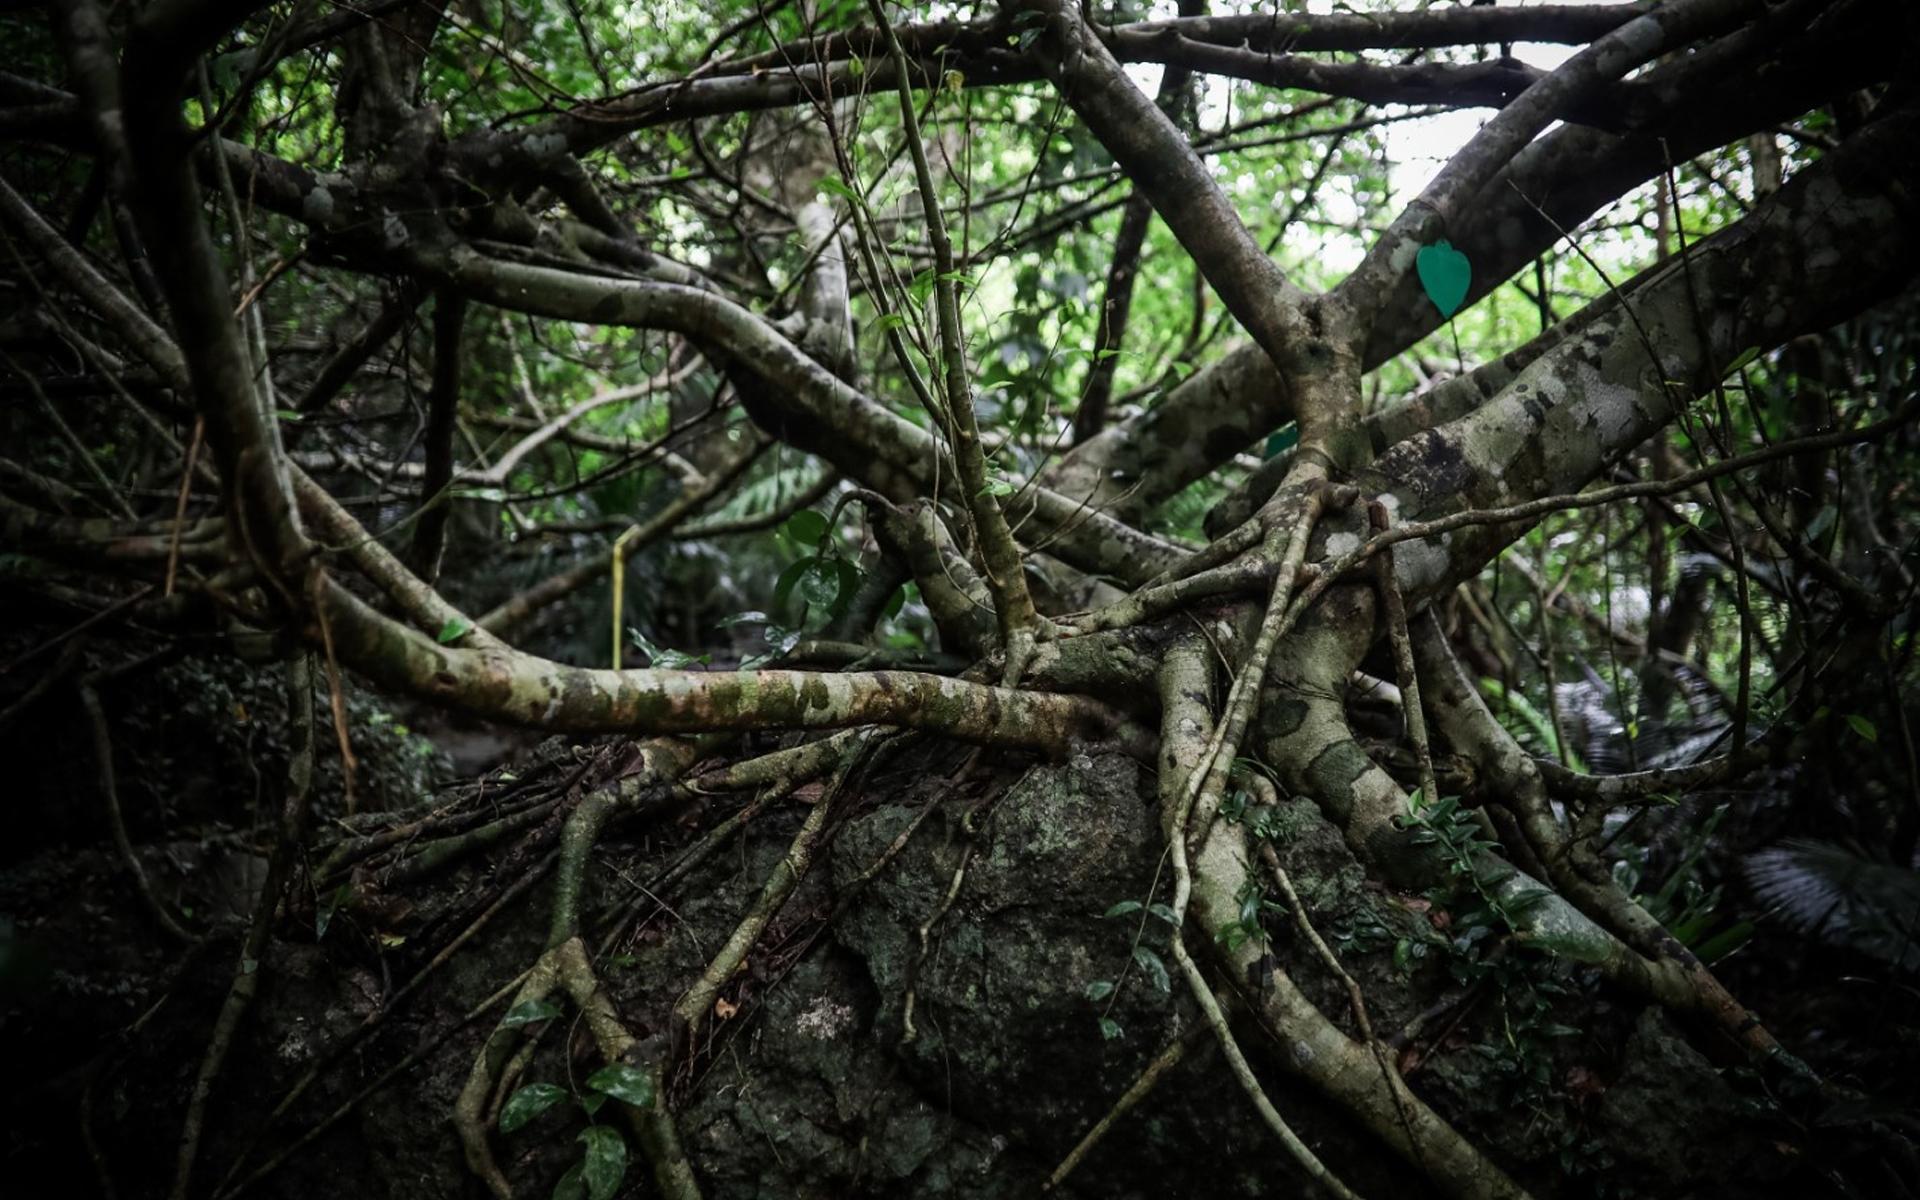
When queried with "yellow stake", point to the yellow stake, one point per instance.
{"points": [[619, 586]]}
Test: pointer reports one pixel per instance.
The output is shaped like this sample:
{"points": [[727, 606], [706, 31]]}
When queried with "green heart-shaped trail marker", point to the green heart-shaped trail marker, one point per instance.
{"points": [[1445, 273]]}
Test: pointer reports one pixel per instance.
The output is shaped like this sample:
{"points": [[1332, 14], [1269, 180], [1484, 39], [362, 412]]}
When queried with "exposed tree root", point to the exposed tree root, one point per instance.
{"points": [[1308, 1045], [1356, 1000], [1168, 1058], [565, 966], [691, 1011], [653, 1124], [1573, 867], [1185, 721], [442, 210], [909, 1032]]}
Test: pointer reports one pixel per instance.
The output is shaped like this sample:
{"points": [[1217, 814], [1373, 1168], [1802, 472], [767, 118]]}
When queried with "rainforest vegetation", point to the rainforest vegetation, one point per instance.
{"points": [[832, 598]]}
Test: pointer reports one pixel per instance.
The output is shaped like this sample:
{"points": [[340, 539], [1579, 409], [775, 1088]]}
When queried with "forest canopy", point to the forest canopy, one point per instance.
{"points": [[836, 597]]}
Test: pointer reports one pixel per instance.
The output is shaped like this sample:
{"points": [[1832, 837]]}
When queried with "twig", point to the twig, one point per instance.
{"points": [[696, 1003]]}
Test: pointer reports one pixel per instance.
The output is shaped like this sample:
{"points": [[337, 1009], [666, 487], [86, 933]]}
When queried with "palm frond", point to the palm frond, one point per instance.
{"points": [[1841, 896]]}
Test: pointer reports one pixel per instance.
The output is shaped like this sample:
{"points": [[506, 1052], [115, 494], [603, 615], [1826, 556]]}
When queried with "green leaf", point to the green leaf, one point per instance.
{"points": [[623, 1081], [1526, 898], [825, 585], [1863, 727], [848, 578], [820, 584], [324, 917], [528, 1103], [664, 657], [1164, 912], [1744, 360], [1099, 990], [833, 185], [572, 1185], [605, 1164], [806, 527], [1281, 441], [1123, 908], [224, 71], [783, 586], [1155, 969], [1725, 942], [1821, 523], [779, 641], [894, 605], [453, 630], [1109, 1028], [529, 1013], [1446, 274]]}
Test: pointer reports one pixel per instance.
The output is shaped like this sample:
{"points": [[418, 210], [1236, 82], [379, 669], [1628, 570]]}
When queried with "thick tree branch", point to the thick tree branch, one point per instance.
{"points": [[524, 690], [1840, 235], [868, 441], [1567, 175], [1162, 164], [1433, 212], [1117, 301]]}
